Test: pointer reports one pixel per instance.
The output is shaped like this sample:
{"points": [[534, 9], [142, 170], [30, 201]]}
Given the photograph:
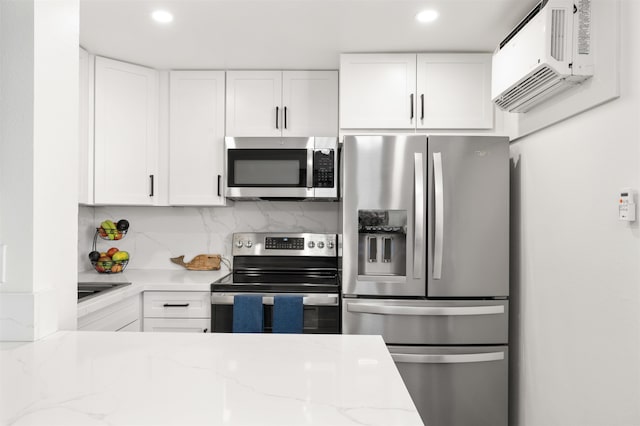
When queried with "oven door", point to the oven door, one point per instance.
{"points": [[269, 168], [321, 312]]}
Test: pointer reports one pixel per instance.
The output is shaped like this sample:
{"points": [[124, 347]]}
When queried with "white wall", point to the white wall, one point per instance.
{"points": [[158, 233], [38, 162], [575, 334]]}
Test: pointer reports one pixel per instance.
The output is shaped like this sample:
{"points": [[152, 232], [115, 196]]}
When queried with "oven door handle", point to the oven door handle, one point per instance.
{"points": [[310, 300]]}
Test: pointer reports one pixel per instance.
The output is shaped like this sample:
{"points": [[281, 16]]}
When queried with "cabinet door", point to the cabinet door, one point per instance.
{"points": [[177, 304], [196, 138], [253, 103], [126, 114], [454, 91], [85, 129], [112, 317], [134, 326], [177, 325], [310, 103], [377, 91]]}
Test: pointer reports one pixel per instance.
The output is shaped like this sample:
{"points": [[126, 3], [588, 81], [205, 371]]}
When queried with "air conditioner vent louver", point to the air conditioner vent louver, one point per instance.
{"points": [[548, 52], [558, 33], [514, 100]]}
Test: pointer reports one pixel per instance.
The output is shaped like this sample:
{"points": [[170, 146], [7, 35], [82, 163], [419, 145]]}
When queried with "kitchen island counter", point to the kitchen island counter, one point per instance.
{"points": [[108, 378]]}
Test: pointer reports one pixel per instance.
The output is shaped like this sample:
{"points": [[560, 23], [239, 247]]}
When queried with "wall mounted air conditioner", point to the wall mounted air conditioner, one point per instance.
{"points": [[547, 52]]}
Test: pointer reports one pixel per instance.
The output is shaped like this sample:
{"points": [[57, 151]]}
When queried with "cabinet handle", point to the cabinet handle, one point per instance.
{"points": [[175, 305], [277, 113], [152, 185], [422, 106], [219, 179], [205, 330], [285, 117], [411, 104]]}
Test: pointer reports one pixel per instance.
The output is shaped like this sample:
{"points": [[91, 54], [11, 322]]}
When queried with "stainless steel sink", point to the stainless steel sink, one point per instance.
{"points": [[89, 290]]}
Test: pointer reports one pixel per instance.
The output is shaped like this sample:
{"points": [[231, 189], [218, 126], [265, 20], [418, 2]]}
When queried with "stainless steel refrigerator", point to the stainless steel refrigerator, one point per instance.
{"points": [[426, 265]]}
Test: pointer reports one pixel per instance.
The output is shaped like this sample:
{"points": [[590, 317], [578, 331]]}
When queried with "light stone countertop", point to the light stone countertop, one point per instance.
{"points": [[108, 378], [145, 280]]}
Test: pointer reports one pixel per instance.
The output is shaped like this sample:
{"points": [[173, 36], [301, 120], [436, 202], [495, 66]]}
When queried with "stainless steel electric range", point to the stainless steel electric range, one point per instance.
{"points": [[303, 264]]}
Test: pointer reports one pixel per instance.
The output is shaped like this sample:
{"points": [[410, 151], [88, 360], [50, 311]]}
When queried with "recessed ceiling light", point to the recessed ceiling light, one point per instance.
{"points": [[162, 16], [427, 16]]}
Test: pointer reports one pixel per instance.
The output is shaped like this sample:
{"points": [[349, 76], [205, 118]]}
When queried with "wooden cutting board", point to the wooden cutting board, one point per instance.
{"points": [[202, 262]]}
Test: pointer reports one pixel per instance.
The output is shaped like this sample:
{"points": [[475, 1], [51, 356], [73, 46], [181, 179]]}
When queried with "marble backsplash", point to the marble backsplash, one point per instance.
{"points": [[159, 233]]}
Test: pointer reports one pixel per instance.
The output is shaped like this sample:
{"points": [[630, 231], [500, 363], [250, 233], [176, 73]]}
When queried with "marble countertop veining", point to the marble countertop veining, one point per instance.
{"points": [[108, 378]]}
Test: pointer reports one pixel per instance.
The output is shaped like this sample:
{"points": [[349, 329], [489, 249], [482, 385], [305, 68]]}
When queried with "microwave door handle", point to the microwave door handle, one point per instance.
{"points": [[418, 238], [439, 216], [310, 168]]}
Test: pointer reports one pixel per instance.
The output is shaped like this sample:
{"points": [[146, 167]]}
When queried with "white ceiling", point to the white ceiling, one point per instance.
{"points": [[288, 34]]}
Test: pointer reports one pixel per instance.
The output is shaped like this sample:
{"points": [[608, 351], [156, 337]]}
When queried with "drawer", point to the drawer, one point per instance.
{"points": [[177, 325], [177, 304], [112, 317], [422, 322], [456, 385]]}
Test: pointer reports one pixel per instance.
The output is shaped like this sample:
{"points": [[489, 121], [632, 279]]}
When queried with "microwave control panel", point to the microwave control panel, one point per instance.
{"points": [[323, 168]]}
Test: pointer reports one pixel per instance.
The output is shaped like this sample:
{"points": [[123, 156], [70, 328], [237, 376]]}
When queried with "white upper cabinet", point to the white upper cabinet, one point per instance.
{"points": [[309, 103], [253, 103], [282, 103], [377, 91], [196, 138], [126, 133], [415, 91], [85, 128], [454, 91]]}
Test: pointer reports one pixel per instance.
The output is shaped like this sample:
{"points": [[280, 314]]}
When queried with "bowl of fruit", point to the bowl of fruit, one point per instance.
{"points": [[110, 262], [110, 230]]}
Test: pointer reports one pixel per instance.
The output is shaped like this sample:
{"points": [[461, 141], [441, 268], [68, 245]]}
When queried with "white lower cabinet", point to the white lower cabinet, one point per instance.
{"points": [[134, 326], [177, 311], [120, 316]]}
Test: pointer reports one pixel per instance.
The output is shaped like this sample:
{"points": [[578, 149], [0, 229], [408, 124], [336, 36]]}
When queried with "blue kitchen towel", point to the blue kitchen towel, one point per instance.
{"points": [[287, 314], [247, 313]]}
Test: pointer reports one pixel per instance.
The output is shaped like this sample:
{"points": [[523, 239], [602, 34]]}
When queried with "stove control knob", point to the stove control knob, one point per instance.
{"points": [[311, 244], [239, 244], [320, 244], [330, 244], [249, 244]]}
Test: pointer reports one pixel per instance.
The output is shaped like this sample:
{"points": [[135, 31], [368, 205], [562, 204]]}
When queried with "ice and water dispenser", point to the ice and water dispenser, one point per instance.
{"points": [[382, 242]]}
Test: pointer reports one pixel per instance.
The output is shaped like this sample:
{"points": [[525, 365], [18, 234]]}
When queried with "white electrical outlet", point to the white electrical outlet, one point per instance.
{"points": [[3, 263]]}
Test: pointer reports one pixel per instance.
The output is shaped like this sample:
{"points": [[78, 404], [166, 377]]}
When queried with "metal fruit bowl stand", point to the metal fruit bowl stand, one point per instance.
{"points": [[110, 234], [109, 266]]}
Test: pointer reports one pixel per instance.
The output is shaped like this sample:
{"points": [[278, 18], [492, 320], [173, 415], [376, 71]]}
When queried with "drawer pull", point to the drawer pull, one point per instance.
{"points": [[175, 305], [366, 308], [446, 358]]}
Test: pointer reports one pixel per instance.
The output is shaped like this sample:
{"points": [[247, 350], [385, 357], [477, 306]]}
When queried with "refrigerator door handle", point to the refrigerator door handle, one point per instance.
{"points": [[447, 358], [418, 239], [424, 310], [439, 216]]}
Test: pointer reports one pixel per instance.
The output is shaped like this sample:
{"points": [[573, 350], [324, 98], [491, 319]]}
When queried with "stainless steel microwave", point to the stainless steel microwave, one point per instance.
{"points": [[281, 168]]}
